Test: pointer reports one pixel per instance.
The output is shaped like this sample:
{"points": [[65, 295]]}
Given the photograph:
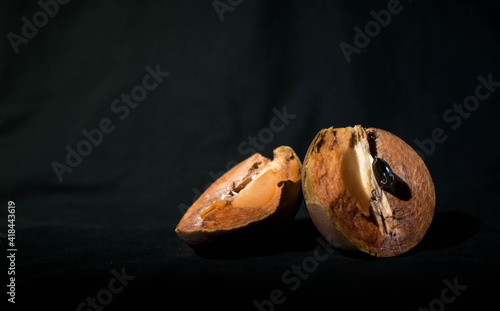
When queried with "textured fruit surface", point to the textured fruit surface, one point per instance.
{"points": [[345, 199], [256, 191]]}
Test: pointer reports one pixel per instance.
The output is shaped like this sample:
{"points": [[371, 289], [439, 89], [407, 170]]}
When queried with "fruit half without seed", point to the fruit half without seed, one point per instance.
{"points": [[255, 194], [367, 190]]}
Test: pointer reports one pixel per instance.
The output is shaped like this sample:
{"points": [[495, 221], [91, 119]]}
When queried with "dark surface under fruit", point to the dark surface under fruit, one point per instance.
{"points": [[119, 207], [70, 263]]}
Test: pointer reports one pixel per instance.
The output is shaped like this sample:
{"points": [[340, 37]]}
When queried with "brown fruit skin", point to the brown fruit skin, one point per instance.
{"points": [[412, 202], [192, 230]]}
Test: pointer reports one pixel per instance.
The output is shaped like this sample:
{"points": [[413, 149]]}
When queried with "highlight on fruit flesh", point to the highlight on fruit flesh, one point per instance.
{"points": [[256, 191], [367, 190]]}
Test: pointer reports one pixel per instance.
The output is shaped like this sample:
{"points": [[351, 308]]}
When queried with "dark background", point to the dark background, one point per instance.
{"points": [[119, 207]]}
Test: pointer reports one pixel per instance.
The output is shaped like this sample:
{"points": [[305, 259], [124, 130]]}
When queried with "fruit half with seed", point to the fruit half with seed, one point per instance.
{"points": [[367, 190], [254, 195]]}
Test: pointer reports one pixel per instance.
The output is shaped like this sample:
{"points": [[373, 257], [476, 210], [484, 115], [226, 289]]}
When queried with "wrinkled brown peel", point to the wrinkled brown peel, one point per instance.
{"points": [[255, 193], [347, 205]]}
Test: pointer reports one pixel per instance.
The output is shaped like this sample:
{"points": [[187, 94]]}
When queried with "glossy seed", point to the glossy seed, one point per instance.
{"points": [[383, 173]]}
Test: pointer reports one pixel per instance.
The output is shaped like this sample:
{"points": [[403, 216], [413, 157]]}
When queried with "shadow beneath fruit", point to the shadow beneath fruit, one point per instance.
{"points": [[299, 235], [353, 254], [448, 229]]}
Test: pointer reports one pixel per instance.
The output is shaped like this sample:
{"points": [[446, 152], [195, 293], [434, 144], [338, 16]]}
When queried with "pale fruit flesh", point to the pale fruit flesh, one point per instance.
{"points": [[256, 192], [344, 198]]}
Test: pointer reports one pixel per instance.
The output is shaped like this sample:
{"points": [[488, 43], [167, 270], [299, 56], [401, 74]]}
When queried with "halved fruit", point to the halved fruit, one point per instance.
{"points": [[367, 190], [256, 193]]}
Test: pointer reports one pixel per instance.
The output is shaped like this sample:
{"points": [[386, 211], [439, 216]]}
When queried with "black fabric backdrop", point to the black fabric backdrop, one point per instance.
{"points": [[229, 74]]}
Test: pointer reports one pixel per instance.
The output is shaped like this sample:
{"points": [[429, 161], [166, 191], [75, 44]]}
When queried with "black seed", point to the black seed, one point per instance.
{"points": [[383, 173]]}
